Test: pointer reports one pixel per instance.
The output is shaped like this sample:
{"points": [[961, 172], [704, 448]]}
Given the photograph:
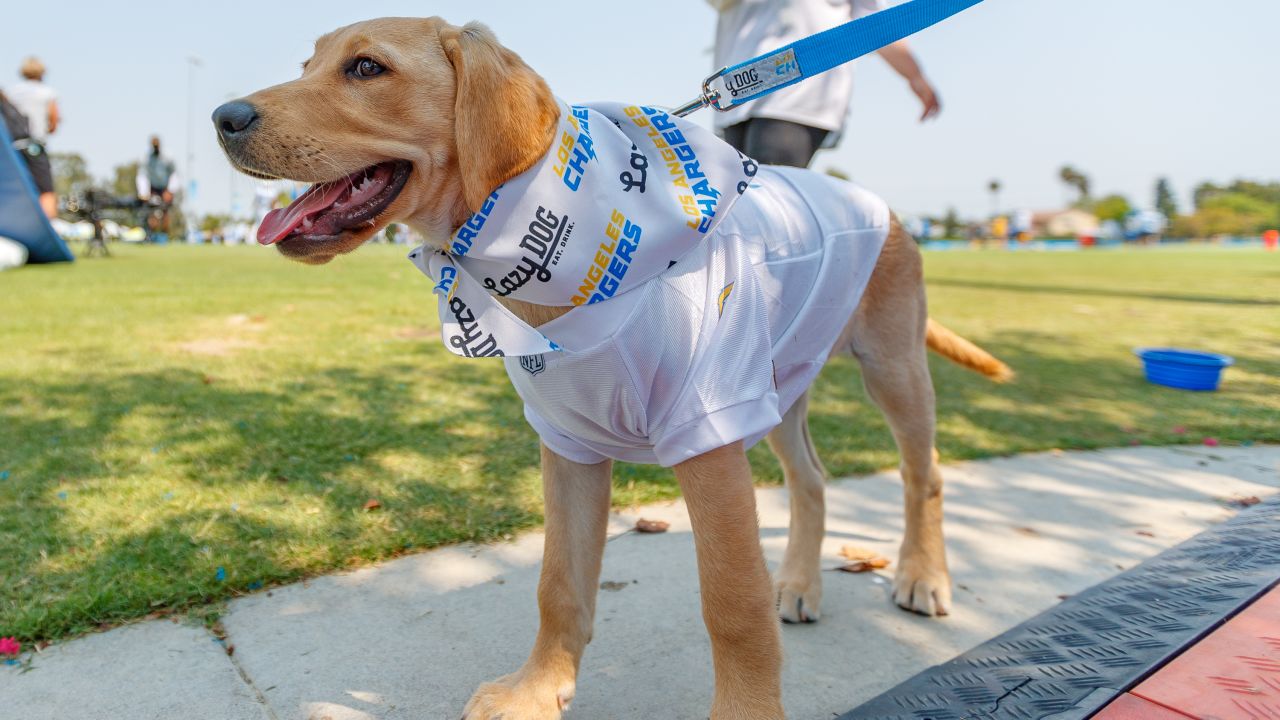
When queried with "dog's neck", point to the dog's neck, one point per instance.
{"points": [[438, 223]]}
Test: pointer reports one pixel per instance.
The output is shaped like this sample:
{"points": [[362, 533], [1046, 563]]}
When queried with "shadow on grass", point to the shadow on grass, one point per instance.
{"points": [[1108, 292], [122, 484], [178, 450]]}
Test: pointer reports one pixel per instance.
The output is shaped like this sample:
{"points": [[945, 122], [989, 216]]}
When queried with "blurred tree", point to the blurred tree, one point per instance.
{"points": [[1077, 181], [993, 187], [1266, 192], [1112, 207], [124, 182], [1202, 192], [1244, 207], [1244, 214], [214, 222], [951, 224], [1165, 201], [70, 173]]}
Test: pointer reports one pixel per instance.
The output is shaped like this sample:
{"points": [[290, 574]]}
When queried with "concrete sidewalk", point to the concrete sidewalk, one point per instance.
{"points": [[413, 637]]}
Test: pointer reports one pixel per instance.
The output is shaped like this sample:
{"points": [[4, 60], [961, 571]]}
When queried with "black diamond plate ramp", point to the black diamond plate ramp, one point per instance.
{"points": [[1069, 661]]}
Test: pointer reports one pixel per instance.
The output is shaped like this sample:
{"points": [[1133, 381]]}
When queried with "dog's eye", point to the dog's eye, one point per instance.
{"points": [[364, 67]]}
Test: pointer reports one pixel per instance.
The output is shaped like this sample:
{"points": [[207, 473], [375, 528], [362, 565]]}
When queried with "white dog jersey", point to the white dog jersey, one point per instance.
{"points": [[708, 291], [716, 348]]}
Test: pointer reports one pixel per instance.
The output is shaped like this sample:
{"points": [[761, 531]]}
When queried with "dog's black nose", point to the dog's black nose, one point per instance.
{"points": [[234, 118]]}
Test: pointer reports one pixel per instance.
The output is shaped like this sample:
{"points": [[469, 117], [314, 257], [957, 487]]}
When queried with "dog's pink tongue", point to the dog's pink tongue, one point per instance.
{"points": [[279, 223]]}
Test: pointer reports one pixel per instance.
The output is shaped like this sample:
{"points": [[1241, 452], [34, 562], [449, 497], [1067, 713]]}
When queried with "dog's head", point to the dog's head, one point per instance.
{"points": [[393, 120]]}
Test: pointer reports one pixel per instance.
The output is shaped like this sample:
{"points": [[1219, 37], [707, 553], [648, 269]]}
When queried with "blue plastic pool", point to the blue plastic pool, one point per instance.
{"points": [[1183, 369]]}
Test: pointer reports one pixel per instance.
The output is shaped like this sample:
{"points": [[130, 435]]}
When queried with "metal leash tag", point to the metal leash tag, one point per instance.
{"points": [[739, 84]]}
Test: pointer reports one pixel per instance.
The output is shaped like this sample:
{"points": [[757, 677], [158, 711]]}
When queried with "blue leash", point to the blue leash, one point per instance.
{"points": [[735, 85]]}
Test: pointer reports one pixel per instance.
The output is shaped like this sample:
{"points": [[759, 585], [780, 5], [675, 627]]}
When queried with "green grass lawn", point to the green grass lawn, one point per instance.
{"points": [[173, 411]]}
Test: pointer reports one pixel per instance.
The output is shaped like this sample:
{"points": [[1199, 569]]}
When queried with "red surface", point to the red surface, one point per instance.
{"points": [[1233, 674], [1128, 707]]}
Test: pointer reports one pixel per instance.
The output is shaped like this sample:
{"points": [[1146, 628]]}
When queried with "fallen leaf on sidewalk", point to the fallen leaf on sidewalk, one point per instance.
{"points": [[372, 504], [855, 553], [862, 566], [1243, 502], [1146, 533], [613, 585], [1029, 532], [651, 526]]}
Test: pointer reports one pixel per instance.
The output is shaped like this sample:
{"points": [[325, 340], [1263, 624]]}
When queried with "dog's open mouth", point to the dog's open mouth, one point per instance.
{"points": [[328, 209]]}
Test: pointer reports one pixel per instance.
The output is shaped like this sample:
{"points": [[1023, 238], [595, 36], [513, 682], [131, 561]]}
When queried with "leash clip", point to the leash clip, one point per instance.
{"points": [[709, 97]]}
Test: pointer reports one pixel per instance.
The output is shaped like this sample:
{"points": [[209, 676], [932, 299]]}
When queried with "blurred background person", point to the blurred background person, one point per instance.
{"points": [[39, 103], [787, 127], [156, 183]]}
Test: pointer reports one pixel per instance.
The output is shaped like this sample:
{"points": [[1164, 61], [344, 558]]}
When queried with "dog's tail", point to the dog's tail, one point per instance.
{"points": [[962, 352]]}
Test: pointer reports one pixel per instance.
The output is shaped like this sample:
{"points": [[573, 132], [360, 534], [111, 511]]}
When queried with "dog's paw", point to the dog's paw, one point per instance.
{"points": [[512, 699], [799, 596], [922, 589]]}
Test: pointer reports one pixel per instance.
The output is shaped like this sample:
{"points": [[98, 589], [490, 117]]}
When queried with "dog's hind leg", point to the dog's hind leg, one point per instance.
{"points": [[798, 582], [577, 517], [888, 338]]}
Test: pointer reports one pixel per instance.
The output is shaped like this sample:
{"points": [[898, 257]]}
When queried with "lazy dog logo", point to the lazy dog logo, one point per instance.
{"points": [[698, 198], [613, 258], [470, 340], [762, 75], [543, 245], [575, 149]]}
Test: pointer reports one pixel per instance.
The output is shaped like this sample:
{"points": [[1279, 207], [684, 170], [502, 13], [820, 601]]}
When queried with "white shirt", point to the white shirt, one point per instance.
{"points": [[716, 348], [755, 27], [32, 99]]}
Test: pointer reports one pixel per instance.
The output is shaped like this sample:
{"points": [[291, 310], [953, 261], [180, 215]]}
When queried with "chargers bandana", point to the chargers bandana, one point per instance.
{"points": [[624, 193]]}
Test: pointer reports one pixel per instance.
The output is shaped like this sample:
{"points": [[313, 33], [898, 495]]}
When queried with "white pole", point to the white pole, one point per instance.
{"points": [[193, 62]]}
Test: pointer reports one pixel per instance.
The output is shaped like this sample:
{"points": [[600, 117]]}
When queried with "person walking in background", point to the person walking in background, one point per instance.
{"points": [[39, 103], [787, 127], [156, 182]]}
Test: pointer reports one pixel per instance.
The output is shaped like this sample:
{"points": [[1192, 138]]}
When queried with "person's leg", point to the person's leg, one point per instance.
{"points": [[42, 173], [780, 142]]}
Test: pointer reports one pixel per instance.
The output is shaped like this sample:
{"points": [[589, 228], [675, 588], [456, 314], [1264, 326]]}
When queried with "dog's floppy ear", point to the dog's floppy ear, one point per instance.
{"points": [[505, 114]]}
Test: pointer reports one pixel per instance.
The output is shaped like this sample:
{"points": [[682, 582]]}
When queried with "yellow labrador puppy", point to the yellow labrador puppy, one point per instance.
{"points": [[418, 121]]}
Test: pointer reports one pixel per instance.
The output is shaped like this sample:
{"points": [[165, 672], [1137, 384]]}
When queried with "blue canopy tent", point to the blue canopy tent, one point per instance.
{"points": [[21, 218]]}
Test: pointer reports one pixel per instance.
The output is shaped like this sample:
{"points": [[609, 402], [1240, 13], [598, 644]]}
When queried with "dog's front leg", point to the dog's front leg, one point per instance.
{"points": [[577, 516], [737, 597]]}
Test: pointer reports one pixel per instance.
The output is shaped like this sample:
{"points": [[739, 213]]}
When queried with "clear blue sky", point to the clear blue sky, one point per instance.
{"points": [[1125, 90]]}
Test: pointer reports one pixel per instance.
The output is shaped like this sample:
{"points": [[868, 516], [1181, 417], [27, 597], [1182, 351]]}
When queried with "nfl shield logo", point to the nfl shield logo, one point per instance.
{"points": [[533, 364]]}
